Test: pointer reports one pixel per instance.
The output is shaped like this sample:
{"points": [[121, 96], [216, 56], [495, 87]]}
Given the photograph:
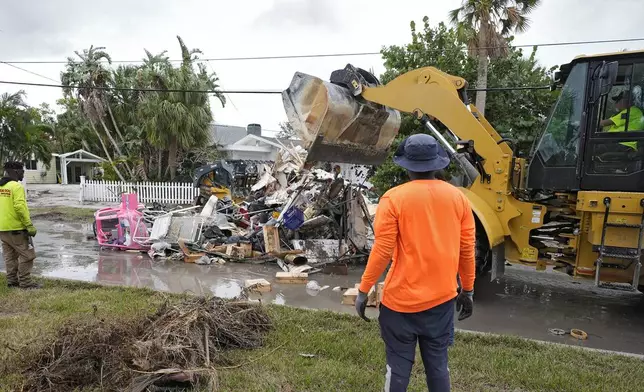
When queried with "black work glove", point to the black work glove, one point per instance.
{"points": [[464, 304], [361, 305]]}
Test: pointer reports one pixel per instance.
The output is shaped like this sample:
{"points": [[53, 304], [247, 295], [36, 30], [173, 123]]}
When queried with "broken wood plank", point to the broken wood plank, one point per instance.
{"points": [[271, 239], [189, 256], [258, 285], [349, 296], [291, 277]]}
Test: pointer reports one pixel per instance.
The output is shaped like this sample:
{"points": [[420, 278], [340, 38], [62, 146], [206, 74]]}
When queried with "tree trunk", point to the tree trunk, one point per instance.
{"points": [[172, 157], [107, 154], [116, 147], [116, 127], [160, 165], [150, 160], [481, 78], [481, 83]]}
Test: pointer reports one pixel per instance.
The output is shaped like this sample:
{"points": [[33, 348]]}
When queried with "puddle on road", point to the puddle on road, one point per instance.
{"points": [[525, 303], [530, 303], [64, 252]]}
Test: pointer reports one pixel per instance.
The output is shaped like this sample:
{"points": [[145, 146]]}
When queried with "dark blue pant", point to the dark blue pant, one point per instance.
{"points": [[432, 329]]}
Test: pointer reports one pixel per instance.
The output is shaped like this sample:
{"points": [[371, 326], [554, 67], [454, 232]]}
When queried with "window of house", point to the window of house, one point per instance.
{"points": [[31, 164]]}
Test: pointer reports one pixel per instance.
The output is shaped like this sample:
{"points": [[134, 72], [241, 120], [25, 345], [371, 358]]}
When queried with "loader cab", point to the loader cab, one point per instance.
{"points": [[594, 138]]}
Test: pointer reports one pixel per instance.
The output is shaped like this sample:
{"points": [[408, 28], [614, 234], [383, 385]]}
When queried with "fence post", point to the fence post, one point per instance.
{"points": [[82, 188]]}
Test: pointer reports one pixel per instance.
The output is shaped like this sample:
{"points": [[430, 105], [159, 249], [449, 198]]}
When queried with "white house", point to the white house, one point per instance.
{"points": [[76, 164], [36, 172], [247, 143]]}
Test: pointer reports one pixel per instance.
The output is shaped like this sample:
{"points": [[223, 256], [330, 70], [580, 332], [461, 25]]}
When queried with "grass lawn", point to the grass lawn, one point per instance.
{"points": [[60, 213], [348, 352]]}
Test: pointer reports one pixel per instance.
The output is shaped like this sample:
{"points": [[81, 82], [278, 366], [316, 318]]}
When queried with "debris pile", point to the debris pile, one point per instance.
{"points": [[178, 347], [305, 219]]}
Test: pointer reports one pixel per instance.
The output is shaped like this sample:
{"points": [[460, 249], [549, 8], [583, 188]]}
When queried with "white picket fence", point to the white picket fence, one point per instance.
{"points": [[148, 192]]}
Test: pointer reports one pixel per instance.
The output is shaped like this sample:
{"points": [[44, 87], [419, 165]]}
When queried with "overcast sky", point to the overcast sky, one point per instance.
{"points": [[53, 29]]}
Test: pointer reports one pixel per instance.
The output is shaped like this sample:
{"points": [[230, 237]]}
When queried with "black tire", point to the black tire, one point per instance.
{"points": [[94, 228], [482, 252]]}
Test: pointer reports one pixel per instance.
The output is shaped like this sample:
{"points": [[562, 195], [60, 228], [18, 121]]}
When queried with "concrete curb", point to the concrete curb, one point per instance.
{"points": [[561, 345]]}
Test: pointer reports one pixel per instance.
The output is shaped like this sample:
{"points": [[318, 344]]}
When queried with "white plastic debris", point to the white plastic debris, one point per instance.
{"points": [[210, 206], [313, 285], [263, 182], [204, 260]]}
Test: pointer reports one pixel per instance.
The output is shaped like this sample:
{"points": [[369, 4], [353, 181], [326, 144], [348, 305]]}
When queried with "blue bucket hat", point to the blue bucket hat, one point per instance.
{"points": [[421, 153]]}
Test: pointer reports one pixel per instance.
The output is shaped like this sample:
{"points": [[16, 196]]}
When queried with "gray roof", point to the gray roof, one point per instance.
{"points": [[224, 135], [286, 142]]}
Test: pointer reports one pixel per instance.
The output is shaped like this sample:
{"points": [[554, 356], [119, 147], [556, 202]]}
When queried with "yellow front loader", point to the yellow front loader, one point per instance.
{"points": [[579, 202]]}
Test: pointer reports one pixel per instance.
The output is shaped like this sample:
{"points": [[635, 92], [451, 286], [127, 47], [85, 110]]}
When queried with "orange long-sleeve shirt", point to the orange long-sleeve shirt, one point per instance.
{"points": [[426, 228]]}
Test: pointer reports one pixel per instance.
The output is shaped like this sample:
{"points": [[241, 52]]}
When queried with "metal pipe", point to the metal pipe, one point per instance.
{"points": [[468, 169], [440, 137]]}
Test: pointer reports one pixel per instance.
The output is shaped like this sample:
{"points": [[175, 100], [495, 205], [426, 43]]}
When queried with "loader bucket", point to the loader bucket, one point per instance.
{"points": [[337, 127]]}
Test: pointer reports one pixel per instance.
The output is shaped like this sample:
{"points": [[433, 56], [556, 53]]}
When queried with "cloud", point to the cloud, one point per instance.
{"points": [[50, 28], [32, 30], [299, 13]]}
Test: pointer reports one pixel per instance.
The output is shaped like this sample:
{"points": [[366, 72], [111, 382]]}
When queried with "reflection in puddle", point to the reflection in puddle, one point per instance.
{"points": [[279, 299], [227, 288]]}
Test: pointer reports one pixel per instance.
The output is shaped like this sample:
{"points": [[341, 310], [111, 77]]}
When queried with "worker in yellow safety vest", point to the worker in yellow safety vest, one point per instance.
{"points": [[625, 120], [16, 229]]}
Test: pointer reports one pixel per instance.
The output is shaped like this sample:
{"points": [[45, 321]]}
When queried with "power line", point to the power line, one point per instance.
{"points": [[321, 55], [294, 56], [226, 91], [28, 71], [510, 88], [606, 41], [144, 90]]}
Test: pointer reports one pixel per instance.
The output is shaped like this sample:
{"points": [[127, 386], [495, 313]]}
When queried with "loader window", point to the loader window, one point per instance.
{"points": [[621, 109], [559, 145], [616, 146]]}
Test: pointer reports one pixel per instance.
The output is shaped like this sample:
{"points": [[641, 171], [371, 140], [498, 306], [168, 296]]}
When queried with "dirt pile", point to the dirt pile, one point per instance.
{"points": [[179, 346]]}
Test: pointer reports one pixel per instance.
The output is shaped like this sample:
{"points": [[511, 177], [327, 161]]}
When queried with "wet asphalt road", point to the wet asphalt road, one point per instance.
{"points": [[524, 303]]}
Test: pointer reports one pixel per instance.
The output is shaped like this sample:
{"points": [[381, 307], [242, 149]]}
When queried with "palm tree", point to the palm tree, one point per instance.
{"points": [[153, 74], [179, 120], [73, 131], [485, 25], [22, 132], [89, 78]]}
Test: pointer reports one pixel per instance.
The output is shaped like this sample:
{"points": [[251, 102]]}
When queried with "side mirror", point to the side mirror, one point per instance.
{"points": [[605, 79]]}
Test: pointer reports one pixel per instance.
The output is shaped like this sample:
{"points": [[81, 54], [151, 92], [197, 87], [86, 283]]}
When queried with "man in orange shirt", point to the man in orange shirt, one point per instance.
{"points": [[426, 229]]}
